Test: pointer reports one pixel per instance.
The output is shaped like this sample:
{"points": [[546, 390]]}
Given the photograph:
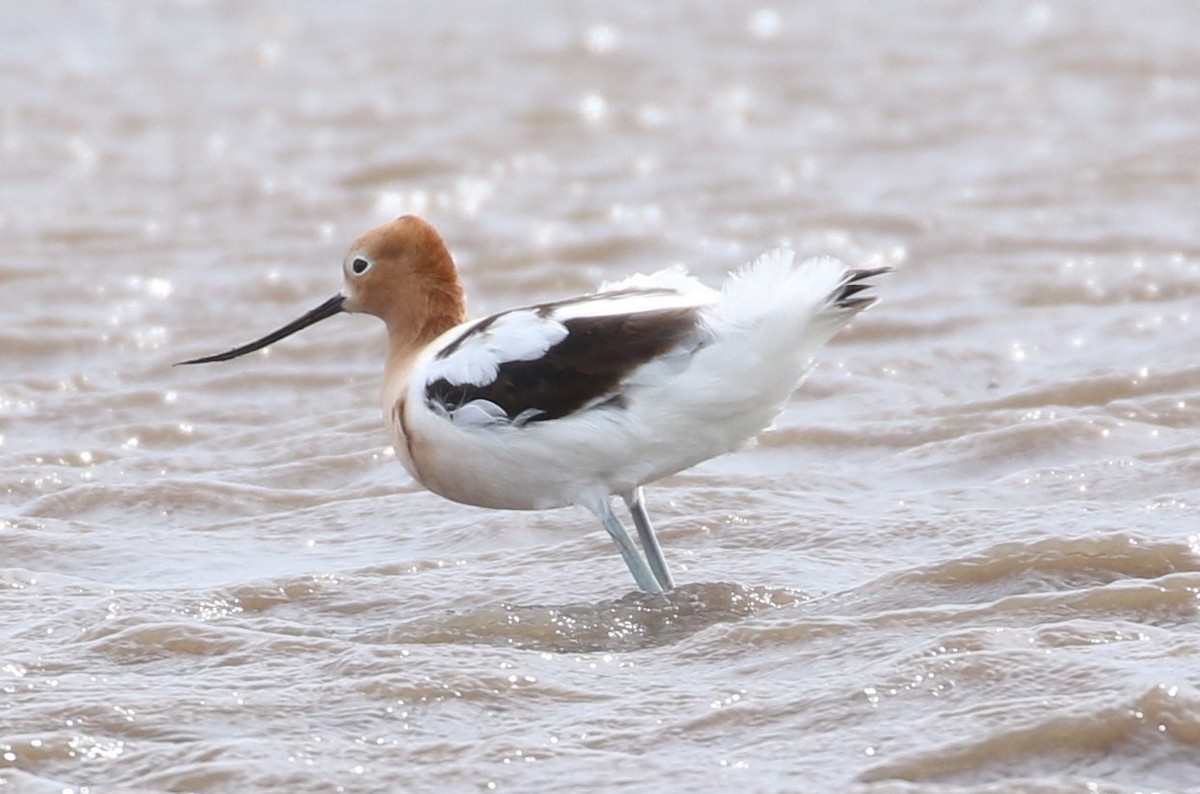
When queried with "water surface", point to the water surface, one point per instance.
{"points": [[967, 558]]}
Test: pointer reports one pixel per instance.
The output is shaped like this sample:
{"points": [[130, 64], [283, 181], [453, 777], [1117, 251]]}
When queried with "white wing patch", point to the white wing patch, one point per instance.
{"points": [[520, 335]]}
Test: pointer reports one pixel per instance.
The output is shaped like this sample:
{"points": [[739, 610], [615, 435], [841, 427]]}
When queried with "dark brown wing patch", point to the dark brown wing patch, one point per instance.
{"points": [[477, 328], [584, 368], [544, 310]]}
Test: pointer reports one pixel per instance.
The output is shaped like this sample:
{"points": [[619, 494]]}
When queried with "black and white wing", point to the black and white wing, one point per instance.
{"points": [[550, 361]]}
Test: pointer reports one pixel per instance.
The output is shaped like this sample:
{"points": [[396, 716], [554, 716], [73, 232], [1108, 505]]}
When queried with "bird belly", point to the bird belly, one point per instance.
{"points": [[499, 466], [575, 460]]}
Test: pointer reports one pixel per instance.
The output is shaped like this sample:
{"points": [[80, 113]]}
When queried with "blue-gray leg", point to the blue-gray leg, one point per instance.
{"points": [[637, 566], [658, 563]]}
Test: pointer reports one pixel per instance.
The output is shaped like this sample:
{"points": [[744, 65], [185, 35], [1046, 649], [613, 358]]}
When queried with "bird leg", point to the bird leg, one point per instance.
{"points": [[654, 555], [637, 566]]}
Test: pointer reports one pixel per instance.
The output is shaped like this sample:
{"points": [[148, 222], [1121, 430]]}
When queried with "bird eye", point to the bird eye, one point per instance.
{"points": [[359, 266]]}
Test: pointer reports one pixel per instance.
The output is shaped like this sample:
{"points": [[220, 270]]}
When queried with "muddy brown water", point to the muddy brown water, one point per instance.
{"points": [[965, 560]]}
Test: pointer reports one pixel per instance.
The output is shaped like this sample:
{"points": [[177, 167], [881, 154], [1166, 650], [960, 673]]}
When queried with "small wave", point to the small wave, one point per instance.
{"points": [[630, 623], [1152, 739], [1113, 574]]}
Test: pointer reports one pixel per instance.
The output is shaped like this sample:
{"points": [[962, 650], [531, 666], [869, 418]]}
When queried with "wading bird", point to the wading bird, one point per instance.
{"points": [[575, 401]]}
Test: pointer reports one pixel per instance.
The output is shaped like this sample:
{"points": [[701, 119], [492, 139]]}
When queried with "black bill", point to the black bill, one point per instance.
{"points": [[327, 309]]}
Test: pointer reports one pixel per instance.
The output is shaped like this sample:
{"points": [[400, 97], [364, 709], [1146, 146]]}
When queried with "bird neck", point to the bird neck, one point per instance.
{"points": [[438, 308], [445, 307]]}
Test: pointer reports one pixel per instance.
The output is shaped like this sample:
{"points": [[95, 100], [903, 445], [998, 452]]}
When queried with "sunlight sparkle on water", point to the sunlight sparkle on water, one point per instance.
{"points": [[593, 108], [601, 39], [764, 23]]}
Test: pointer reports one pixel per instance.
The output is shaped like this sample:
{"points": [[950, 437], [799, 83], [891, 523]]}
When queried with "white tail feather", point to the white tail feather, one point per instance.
{"points": [[773, 288]]}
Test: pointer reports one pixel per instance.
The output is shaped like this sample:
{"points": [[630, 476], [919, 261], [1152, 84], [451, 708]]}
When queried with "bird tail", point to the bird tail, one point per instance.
{"points": [[764, 331], [812, 300], [774, 315], [846, 299]]}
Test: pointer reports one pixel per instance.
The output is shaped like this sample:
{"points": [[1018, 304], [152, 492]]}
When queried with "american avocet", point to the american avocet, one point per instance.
{"points": [[576, 401]]}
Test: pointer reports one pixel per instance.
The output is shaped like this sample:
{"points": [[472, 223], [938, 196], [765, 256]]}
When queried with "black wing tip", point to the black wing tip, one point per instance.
{"points": [[854, 282], [857, 304], [859, 274]]}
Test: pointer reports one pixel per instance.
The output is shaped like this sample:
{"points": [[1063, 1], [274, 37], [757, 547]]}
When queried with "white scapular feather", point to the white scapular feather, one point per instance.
{"points": [[672, 278], [520, 335]]}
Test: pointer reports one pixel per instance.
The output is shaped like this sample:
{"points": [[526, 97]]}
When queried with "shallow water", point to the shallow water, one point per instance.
{"points": [[967, 558]]}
